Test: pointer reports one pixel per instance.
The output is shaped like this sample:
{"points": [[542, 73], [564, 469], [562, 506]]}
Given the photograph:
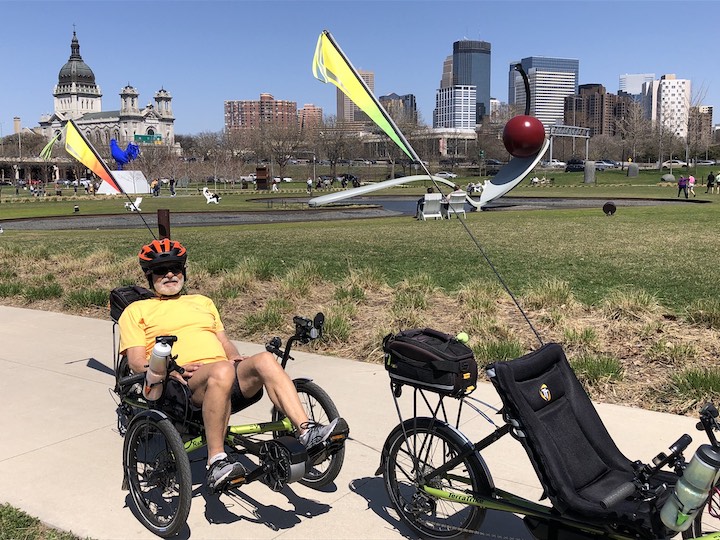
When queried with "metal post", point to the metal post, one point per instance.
{"points": [[163, 217]]}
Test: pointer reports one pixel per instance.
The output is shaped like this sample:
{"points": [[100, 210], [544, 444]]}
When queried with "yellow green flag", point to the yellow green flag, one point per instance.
{"points": [[81, 149], [330, 65]]}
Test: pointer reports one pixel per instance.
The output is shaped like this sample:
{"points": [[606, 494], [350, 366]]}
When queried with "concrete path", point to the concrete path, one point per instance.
{"points": [[60, 458]]}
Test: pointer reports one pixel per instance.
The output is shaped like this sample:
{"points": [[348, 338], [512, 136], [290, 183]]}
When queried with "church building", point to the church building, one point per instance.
{"points": [[78, 97]]}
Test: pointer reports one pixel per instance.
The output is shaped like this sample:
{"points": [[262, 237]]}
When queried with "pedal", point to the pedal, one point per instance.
{"points": [[320, 452]]}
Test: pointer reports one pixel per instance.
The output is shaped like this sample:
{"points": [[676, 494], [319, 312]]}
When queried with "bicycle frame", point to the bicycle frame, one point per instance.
{"points": [[499, 500]]}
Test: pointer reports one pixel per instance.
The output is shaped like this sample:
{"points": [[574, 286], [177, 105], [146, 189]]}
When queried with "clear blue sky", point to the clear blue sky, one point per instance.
{"points": [[206, 52]]}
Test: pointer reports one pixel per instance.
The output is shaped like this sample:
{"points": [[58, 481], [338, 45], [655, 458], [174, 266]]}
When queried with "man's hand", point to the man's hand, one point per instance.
{"points": [[190, 369]]}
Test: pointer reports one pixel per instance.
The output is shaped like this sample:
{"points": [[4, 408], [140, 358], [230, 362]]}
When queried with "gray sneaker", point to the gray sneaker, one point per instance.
{"points": [[316, 433], [221, 472]]}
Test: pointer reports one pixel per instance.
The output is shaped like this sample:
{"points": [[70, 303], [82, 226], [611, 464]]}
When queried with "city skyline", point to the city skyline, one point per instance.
{"points": [[207, 53]]}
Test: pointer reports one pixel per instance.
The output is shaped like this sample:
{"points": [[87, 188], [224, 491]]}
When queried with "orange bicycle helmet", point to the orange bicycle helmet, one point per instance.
{"points": [[162, 252]]}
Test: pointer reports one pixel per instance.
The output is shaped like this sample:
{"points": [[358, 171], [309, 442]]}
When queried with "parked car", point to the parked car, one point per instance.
{"points": [[575, 165], [704, 162], [674, 163], [494, 162], [446, 174], [553, 164], [609, 163]]}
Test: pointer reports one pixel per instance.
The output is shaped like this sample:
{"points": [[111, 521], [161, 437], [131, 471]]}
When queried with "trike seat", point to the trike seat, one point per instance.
{"points": [[575, 458]]}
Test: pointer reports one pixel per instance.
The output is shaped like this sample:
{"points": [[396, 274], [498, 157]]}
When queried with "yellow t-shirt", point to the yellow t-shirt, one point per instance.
{"points": [[193, 318]]}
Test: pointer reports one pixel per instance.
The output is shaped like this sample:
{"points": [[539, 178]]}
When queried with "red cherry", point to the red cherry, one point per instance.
{"points": [[523, 136]]}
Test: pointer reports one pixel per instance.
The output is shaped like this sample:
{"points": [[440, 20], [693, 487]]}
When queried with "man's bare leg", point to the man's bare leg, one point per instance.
{"points": [[263, 369], [211, 386]]}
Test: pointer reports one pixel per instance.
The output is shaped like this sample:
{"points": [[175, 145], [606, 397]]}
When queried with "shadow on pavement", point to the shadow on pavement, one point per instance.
{"points": [[497, 524]]}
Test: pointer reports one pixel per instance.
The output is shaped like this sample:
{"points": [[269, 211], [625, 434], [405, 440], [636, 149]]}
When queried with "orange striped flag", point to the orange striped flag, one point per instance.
{"points": [[79, 148]]}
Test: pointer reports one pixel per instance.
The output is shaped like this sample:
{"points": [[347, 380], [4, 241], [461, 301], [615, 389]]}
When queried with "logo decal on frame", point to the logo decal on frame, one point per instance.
{"points": [[545, 393]]}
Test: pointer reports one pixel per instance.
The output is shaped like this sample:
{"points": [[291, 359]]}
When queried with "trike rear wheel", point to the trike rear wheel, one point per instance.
{"points": [[157, 470], [423, 447], [321, 409]]}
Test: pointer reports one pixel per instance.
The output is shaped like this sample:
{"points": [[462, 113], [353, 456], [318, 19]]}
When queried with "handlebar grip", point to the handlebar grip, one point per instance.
{"points": [[681, 444], [131, 379], [620, 493]]}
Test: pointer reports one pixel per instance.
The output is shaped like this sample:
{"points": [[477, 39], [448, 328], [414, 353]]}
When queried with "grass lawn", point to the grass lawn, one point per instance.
{"points": [[16, 525], [666, 250]]}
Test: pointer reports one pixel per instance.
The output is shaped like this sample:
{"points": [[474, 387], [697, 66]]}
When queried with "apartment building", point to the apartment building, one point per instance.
{"points": [[593, 107], [667, 102], [246, 114]]}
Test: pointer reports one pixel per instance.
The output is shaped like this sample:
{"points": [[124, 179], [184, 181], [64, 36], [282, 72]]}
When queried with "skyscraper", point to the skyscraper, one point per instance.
{"points": [[455, 107], [632, 83], [551, 80], [471, 67], [543, 63], [400, 108], [347, 111]]}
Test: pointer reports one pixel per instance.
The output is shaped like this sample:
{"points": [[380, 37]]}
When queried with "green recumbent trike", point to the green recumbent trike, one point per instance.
{"points": [[160, 437]]}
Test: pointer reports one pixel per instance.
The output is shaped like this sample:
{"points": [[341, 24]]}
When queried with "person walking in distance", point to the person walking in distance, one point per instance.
{"points": [[710, 183]]}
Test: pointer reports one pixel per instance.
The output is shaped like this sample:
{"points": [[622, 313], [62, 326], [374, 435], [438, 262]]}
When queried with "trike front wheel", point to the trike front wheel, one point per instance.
{"points": [[422, 447], [157, 470], [321, 409], [695, 530]]}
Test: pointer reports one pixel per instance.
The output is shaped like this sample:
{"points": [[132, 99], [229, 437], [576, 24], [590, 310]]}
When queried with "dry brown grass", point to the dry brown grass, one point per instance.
{"points": [[651, 346]]}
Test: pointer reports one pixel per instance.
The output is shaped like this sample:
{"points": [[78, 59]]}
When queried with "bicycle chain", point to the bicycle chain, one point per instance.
{"points": [[477, 533]]}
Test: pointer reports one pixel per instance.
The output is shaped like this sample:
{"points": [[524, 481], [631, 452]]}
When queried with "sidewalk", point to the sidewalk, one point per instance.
{"points": [[61, 454]]}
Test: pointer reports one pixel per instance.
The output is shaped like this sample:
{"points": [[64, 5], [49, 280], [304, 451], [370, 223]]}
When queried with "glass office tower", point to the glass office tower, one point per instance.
{"points": [[471, 67]]}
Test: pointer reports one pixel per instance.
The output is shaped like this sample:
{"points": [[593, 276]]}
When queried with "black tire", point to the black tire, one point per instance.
{"points": [[157, 469], [319, 408], [431, 444]]}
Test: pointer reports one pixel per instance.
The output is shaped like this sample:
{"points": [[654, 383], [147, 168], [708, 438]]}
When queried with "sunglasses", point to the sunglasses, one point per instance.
{"points": [[163, 270]]}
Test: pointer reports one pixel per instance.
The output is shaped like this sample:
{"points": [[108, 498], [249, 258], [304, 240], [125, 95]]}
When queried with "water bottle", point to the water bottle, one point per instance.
{"points": [[692, 489], [157, 371]]}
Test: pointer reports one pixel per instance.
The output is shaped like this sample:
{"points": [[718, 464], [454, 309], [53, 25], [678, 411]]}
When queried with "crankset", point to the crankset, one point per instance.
{"points": [[284, 460]]}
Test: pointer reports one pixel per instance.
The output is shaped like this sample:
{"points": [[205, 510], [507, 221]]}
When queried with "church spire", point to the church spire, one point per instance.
{"points": [[75, 48]]}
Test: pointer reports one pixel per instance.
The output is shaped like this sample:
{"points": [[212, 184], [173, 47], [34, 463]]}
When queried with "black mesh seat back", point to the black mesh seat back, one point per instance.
{"points": [[575, 458]]}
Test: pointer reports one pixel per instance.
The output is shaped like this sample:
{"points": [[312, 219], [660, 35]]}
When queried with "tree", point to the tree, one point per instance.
{"points": [[153, 160], [604, 146], [281, 142], [634, 130], [335, 141]]}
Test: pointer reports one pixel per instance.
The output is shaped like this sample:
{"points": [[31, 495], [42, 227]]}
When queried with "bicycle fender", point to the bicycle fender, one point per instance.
{"points": [[424, 422], [149, 414], [300, 380]]}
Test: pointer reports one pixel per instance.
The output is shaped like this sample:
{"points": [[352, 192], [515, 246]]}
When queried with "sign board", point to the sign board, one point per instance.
{"points": [[148, 139]]}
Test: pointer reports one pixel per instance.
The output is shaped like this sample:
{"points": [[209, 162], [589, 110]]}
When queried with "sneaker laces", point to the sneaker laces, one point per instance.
{"points": [[315, 432]]}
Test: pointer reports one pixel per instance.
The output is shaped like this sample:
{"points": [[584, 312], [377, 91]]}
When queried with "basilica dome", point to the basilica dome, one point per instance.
{"points": [[76, 70]]}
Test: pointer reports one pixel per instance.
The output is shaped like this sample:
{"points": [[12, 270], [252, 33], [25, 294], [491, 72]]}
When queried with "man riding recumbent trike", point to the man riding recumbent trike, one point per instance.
{"points": [[179, 378], [441, 487]]}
